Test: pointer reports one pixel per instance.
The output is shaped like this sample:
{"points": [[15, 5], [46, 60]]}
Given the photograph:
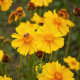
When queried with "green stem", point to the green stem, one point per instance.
{"points": [[1, 69], [6, 69], [50, 57], [69, 39], [79, 65], [55, 55], [30, 14], [19, 68], [40, 11]]}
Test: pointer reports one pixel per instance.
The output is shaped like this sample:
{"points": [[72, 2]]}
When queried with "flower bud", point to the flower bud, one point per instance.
{"points": [[7, 41], [40, 54], [31, 6], [63, 13], [6, 58], [1, 38], [76, 11]]}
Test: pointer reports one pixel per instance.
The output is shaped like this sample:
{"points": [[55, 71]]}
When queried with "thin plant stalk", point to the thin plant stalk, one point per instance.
{"points": [[19, 68], [6, 69], [55, 56], [69, 40], [1, 69], [51, 57], [30, 14], [40, 11], [77, 60]]}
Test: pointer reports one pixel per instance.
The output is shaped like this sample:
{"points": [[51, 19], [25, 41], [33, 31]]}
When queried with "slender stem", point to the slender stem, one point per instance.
{"points": [[50, 57], [1, 69], [68, 42], [19, 68], [6, 69], [69, 39], [30, 14], [40, 11], [55, 55], [79, 65], [42, 56]]}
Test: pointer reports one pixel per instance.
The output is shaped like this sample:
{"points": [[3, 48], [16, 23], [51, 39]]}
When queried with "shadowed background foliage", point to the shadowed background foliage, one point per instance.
{"points": [[7, 29]]}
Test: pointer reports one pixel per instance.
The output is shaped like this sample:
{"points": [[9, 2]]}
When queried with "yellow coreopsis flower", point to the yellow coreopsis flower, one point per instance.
{"points": [[56, 21], [54, 71], [40, 3], [72, 62], [5, 4], [49, 39], [5, 78], [25, 41], [1, 55], [36, 18]]}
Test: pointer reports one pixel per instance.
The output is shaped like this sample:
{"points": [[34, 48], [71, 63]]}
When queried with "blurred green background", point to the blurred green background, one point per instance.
{"points": [[7, 29]]}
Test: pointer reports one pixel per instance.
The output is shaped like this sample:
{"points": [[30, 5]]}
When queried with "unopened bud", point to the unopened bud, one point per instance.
{"points": [[7, 41], [31, 6], [76, 11], [6, 58], [40, 54], [1, 38]]}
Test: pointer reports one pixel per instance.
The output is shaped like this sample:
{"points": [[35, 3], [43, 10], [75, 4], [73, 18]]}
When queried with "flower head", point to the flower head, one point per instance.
{"points": [[31, 6], [63, 13], [56, 72], [58, 22], [40, 54], [36, 18], [40, 3], [49, 39], [5, 78], [76, 11], [1, 55], [25, 41], [5, 4], [19, 13], [72, 62]]}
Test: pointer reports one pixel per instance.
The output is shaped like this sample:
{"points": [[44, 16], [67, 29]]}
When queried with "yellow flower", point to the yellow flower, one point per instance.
{"points": [[40, 3], [11, 17], [5, 4], [54, 71], [5, 78], [56, 21], [19, 13], [25, 41], [72, 62], [49, 39], [1, 55], [36, 18]]}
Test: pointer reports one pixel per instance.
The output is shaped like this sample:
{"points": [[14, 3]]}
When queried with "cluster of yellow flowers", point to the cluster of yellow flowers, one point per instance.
{"points": [[47, 38], [42, 34]]}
